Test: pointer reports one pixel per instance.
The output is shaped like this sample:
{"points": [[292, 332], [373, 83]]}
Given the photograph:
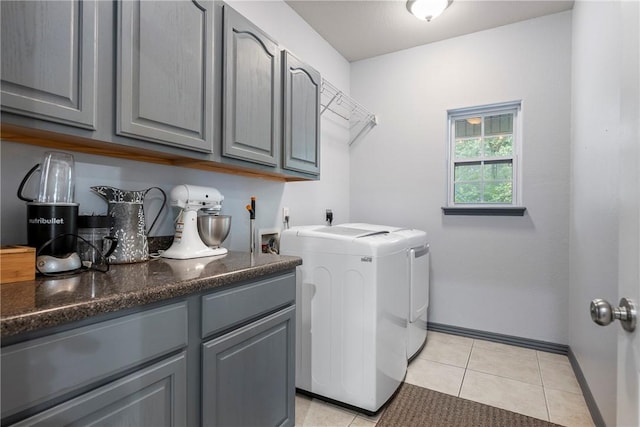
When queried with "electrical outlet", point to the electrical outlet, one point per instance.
{"points": [[285, 218]]}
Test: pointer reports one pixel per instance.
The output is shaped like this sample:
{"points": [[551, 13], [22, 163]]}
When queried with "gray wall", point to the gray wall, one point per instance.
{"points": [[130, 175], [307, 201], [500, 274], [597, 158]]}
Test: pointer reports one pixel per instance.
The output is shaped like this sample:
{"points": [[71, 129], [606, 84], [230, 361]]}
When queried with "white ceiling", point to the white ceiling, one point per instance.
{"points": [[365, 28]]}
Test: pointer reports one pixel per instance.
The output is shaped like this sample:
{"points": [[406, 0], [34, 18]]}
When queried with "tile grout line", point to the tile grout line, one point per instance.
{"points": [[506, 378], [544, 390], [541, 384], [466, 365]]}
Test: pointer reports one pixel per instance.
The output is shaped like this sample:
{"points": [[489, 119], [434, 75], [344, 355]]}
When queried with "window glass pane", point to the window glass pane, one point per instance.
{"points": [[498, 171], [482, 147], [498, 192], [502, 123], [467, 193], [466, 128], [467, 172], [467, 148], [498, 146]]}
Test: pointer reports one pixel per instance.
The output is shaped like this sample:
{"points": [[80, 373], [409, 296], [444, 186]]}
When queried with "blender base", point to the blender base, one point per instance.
{"points": [[49, 264]]}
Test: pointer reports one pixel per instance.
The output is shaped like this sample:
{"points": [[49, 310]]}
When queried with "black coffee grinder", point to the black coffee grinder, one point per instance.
{"points": [[52, 215]]}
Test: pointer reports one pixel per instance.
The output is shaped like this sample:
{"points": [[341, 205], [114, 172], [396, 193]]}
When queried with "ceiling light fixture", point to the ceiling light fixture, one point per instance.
{"points": [[427, 9]]}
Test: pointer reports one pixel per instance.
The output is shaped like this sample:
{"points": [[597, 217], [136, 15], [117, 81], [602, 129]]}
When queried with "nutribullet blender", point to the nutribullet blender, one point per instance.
{"points": [[52, 215]]}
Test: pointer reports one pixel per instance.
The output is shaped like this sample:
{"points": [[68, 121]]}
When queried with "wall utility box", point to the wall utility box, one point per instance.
{"points": [[269, 240]]}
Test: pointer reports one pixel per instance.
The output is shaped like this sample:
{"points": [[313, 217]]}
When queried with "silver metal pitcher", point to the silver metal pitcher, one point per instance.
{"points": [[129, 227]]}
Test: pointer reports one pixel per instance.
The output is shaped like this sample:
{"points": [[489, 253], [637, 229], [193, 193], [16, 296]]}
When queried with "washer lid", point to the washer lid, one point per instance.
{"points": [[346, 232], [413, 236], [349, 241]]}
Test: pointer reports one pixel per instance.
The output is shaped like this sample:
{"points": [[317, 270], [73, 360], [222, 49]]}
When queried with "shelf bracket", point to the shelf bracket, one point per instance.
{"points": [[336, 101]]}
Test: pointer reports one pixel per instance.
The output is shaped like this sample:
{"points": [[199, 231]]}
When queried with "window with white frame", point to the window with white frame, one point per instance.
{"points": [[484, 153]]}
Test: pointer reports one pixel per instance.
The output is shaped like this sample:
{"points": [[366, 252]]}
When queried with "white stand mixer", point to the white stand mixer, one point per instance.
{"points": [[187, 243]]}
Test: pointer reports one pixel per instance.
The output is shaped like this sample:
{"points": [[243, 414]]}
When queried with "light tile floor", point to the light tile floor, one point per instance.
{"points": [[530, 382]]}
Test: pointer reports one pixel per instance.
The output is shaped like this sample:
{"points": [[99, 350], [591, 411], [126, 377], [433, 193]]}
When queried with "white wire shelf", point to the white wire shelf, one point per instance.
{"points": [[360, 119]]}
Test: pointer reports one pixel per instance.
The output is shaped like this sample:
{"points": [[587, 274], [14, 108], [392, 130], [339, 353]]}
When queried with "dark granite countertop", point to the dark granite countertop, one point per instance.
{"points": [[47, 302]]}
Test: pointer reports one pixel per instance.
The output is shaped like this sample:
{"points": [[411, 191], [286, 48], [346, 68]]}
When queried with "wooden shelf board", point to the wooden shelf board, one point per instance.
{"points": [[23, 135]]}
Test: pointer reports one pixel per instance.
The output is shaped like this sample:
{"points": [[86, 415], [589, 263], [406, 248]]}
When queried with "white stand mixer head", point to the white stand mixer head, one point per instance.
{"points": [[196, 197]]}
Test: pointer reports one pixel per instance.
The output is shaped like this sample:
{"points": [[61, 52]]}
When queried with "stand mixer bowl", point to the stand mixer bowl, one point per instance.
{"points": [[213, 229]]}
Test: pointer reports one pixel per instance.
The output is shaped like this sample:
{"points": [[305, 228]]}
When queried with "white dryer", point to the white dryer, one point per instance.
{"points": [[418, 262], [350, 313]]}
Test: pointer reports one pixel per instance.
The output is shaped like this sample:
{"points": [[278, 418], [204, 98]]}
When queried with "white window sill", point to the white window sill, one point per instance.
{"points": [[484, 210]]}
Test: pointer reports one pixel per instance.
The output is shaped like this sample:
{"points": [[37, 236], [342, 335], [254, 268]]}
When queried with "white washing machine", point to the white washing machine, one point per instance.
{"points": [[350, 313], [418, 261]]}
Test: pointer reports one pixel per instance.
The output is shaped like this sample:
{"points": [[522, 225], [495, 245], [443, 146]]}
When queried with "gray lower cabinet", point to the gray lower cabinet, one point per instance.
{"points": [[49, 54], [165, 89], [248, 354], [217, 358], [63, 369], [251, 92], [248, 374], [301, 110], [154, 396]]}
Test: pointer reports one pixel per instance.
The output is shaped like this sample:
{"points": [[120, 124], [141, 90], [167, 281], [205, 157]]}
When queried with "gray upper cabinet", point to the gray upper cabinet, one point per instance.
{"points": [[301, 106], [49, 60], [251, 92], [164, 75], [189, 80]]}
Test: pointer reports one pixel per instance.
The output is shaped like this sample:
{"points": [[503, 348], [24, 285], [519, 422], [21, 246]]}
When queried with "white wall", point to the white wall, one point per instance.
{"points": [[306, 200], [500, 274], [600, 85]]}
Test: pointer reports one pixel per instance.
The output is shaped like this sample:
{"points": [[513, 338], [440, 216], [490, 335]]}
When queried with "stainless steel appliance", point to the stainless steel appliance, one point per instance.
{"points": [[213, 228]]}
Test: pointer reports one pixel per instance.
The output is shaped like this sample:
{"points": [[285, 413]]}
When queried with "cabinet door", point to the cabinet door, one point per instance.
{"points": [[229, 308], [154, 396], [301, 108], [251, 92], [248, 374], [164, 74], [49, 60], [37, 371]]}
